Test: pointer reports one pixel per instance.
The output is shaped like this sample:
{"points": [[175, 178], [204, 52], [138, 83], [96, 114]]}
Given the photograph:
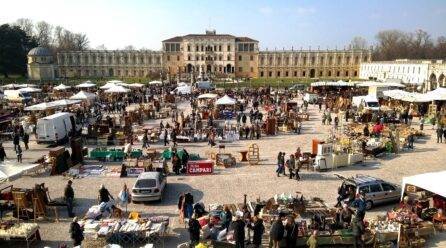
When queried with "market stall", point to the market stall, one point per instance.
{"points": [[12, 232]]}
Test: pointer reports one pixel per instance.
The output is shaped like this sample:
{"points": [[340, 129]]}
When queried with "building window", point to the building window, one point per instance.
{"points": [[278, 74], [304, 73], [188, 57], [320, 74], [270, 74], [339, 61], [305, 60], [296, 60], [240, 69], [338, 73], [229, 57], [196, 48], [261, 74], [356, 73], [219, 48], [202, 48], [312, 60], [240, 57], [330, 60], [295, 73], [329, 73], [252, 69], [251, 58], [286, 73], [178, 58], [229, 48], [168, 57]]}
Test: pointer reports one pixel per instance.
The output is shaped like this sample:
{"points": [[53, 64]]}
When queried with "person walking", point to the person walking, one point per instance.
{"points": [[421, 123], [18, 152], [357, 231], [2, 153], [279, 164], [16, 140], [312, 240], [104, 194], [439, 134], [166, 141], [69, 197], [145, 141], [292, 165], [291, 232], [25, 139], [77, 234], [124, 197]]}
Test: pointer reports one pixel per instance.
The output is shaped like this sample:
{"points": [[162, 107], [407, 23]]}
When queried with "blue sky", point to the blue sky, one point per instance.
{"points": [[276, 24]]}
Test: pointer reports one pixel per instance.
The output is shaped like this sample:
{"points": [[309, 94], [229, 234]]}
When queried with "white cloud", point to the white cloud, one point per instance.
{"points": [[266, 10]]}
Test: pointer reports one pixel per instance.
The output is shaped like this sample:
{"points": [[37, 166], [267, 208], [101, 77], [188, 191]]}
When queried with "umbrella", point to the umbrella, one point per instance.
{"points": [[207, 95], [62, 87], [64, 102], [29, 90], [225, 100], [86, 84], [116, 89], [11, 86], [82, 95]]}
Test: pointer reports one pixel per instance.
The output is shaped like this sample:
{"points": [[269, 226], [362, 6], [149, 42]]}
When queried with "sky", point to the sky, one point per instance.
{"points": [[276, 24]]}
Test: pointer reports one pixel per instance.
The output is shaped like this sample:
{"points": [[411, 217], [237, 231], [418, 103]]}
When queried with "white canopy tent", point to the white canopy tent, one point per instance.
{"points": [[379, 84], [108, 85], [339, 83], [226, 100], [135, 85], [155, 82], [10, 170], [12, 86], [51, 105], [434, 182], [439, 94], [62, 87], [82, 95], [29, 90], [117, 89], [207, 96], [86, 84], [407, 96]]}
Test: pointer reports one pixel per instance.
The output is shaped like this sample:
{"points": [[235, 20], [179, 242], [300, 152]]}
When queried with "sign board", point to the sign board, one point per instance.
{"points": [[200, 167]]}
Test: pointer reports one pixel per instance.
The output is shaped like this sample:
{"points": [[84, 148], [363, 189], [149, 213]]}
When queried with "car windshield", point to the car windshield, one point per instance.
{"points": [[26, 94], [373, 104], [145, 183]]}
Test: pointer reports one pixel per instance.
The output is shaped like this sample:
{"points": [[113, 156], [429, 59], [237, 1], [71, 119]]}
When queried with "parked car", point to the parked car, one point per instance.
{"points": [[149, 187], [311, 98], [377, 191], [204, 85]]}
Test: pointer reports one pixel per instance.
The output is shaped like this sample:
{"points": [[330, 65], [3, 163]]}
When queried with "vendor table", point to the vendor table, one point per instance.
{"points": [[30, 236], [244, 157]]}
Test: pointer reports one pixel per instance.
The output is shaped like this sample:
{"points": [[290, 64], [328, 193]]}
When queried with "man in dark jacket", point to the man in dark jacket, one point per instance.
{"points": [[276, 232], [194, 231], [104, 195], [76, 233], [239, 230], [258, 228], [69, 197], [291, 232], [25, 139], [16, 140], [2, 153]]}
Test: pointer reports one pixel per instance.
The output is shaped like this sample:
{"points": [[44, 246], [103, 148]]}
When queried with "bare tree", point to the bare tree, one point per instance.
{"points": [[43, 33], [358, 42], [80, 41], [26, 25]]}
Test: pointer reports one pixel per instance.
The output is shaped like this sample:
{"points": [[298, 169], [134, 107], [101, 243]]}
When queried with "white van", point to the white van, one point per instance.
{"points": [[56, 127], [17, 96], [182, 90], [369, 102], [149, 187], [311, 98]]}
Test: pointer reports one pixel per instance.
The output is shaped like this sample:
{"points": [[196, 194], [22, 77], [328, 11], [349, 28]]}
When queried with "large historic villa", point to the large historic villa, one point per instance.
{"points": [[223, 56]]}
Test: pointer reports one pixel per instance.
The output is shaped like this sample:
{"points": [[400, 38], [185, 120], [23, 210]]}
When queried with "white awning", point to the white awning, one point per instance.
{"points": [[51, 105], [155, 82], [116, 89], [135, 85], [29, 90], [438, 94], [62, 87], [207, 96], [379, 84], [86, 84], [108, 85], [434, 182], [226, 100], [407, 96], [82, 95]]}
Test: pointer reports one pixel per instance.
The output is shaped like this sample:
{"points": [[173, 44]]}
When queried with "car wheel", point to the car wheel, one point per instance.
{"points": [[368, 205]]}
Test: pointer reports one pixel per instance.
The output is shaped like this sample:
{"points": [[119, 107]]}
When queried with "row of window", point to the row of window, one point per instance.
{"points": [[108, 73], [78, 59], [311, 73], [308, 60], [394, 68], [208, 48]]}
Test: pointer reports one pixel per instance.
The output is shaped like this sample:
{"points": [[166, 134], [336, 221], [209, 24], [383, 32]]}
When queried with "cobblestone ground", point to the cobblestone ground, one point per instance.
{"points": [[231, 184]]}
